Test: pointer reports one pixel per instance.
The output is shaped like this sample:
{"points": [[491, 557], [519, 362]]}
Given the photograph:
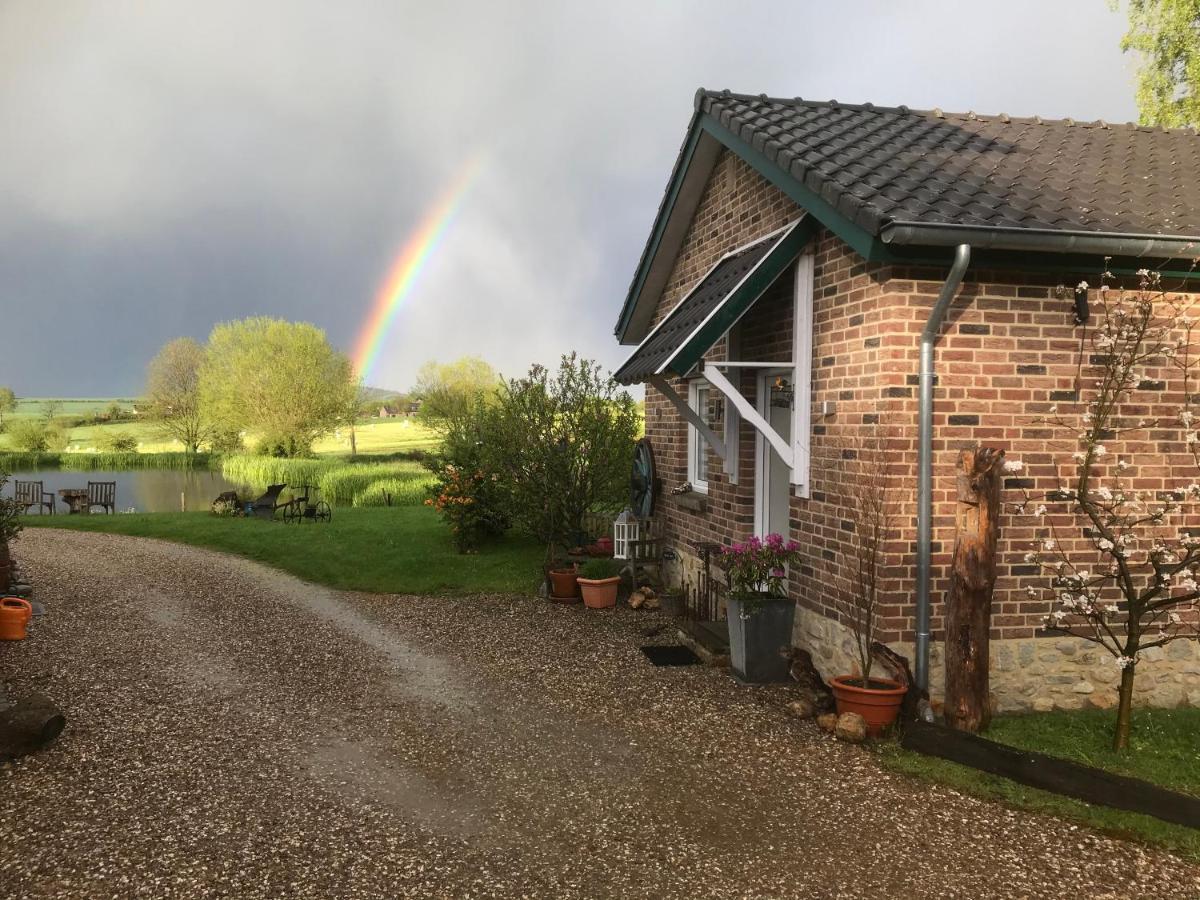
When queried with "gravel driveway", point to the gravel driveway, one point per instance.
{"points": [[233, 731]]}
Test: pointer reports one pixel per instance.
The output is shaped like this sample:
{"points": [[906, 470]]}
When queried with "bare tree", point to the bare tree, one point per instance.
{"points": [[172, 392], [872, 479]]}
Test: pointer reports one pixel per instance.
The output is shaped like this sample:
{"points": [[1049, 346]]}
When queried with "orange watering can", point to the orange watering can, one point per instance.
{"points": [[15, 614]]}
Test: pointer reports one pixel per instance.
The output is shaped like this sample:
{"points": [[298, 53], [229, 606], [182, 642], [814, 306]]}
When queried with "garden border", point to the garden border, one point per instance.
{"points": [[1050, 773]]}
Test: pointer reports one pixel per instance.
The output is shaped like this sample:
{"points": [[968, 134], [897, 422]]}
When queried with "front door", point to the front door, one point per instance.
{"points": [[772, 477]]}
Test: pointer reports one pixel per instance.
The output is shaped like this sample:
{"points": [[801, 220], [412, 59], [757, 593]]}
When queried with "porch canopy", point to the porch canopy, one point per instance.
{"points": [[676, 346], [714, 305]]}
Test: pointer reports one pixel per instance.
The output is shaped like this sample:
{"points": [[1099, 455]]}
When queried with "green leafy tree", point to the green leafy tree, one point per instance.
{"points": [[1166, 35], [8, 403], [280, 379], [173, 393], [448, 391]]}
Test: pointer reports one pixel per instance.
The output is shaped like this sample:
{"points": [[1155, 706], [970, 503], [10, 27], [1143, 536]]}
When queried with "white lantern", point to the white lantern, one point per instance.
{"points": [[626, 531]]}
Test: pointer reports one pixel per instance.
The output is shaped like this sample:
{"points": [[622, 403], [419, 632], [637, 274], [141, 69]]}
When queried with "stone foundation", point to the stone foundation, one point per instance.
{"points": [[1031, 674]]}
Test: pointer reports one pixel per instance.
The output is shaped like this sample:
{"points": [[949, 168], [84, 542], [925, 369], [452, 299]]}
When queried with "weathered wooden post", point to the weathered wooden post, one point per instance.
{"points": [[972, 577]]}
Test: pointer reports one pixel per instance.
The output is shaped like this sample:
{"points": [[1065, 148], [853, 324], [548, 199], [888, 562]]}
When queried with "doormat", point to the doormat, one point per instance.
{"points": [[671, 655]]}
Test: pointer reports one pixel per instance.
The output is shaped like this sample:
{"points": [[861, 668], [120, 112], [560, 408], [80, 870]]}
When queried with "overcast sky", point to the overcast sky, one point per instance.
{"points": [[165, 166]]}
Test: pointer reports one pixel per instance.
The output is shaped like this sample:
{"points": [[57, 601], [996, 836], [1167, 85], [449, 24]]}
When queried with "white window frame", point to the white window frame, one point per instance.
{"points": [[695, 443]]}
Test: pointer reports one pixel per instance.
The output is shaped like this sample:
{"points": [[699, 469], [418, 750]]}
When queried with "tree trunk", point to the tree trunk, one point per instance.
{"points": [[972, 577], [1124, 710], [353, 443]]}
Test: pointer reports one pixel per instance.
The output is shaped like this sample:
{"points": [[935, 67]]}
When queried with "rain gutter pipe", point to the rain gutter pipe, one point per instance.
{"points": [[962, 257]]}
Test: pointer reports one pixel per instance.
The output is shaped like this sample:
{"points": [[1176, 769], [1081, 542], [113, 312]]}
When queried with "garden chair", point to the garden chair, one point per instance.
{"points": [[264, 507], [102, 494], [646, 553], [29, 494]]}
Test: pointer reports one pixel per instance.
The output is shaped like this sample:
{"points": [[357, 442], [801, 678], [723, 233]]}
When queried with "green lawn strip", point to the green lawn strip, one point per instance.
{"points": [[384, 550], [1164, 750]]}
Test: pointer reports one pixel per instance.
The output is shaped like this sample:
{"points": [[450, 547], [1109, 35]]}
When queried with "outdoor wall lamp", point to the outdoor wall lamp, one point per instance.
{"points": [[782, 393], [1082, 313]]}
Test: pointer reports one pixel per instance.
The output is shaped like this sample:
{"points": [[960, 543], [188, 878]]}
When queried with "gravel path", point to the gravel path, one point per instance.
{"points": [[237, 732]]}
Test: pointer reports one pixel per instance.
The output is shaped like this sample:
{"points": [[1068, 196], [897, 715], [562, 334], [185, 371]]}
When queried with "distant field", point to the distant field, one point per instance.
{"points": [[68, 406], [374, 436]]}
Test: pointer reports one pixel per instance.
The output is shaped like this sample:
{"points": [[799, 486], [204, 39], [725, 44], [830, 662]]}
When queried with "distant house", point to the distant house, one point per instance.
{"points": [[797, 256], [385, 413]]}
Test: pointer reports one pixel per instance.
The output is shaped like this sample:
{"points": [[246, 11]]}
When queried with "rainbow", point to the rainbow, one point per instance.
{"points": [[408, 265]]}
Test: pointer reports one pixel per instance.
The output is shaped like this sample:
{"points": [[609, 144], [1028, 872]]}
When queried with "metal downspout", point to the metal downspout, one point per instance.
{"points": [[962, 257]]}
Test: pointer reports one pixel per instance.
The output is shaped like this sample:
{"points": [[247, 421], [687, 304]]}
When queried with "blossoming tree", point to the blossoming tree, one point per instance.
{"points": [[1119, 534]]}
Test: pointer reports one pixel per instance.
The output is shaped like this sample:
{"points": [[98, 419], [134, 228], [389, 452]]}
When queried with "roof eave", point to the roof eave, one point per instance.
{"points": [[1042, 240]]}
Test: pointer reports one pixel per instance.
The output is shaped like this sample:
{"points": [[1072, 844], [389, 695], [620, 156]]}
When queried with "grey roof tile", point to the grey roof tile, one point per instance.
{"points": [[878, 165]]}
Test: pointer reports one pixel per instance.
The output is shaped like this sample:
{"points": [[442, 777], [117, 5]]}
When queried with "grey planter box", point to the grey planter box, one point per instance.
{"points": [[757, 640]]}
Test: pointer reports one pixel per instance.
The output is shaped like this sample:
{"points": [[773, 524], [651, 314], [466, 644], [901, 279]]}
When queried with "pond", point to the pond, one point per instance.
{"points": [[145, 490]]}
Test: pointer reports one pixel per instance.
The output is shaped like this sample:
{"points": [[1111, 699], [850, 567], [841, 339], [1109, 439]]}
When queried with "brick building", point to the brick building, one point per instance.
{"points": [[796, 261]]}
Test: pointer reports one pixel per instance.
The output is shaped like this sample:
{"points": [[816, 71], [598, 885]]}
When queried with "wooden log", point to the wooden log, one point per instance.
{"points": [[972, 577], [898, 670], [804, 673], [1049, 773], [29, 725]]}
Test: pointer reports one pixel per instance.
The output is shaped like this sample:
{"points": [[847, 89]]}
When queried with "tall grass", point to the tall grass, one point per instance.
{"points": [[14, 460], [344, 483]]}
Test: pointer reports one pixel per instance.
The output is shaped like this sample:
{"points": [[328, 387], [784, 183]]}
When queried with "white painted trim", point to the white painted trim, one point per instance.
{"points": [[733, 427], [690, 415], [696, 286], [802, 353], [749, 413], [782, 232], [694, 447], [730, 364], [762, 460]]}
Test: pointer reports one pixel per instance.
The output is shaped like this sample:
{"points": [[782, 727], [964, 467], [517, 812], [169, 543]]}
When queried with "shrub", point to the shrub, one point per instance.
{"points": [[562, 444], [57, 438], [226, 441], [469, 491], [118, 442], [28, 435], [599, 569]]}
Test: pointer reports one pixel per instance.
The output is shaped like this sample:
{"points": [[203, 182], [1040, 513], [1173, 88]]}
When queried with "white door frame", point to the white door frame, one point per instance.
{"points": [[763, 449]]}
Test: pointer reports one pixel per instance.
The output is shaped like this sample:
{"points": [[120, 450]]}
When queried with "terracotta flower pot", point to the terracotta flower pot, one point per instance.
{"points": [[15, 614], [600, 593], [564, 584], [878, 703]]}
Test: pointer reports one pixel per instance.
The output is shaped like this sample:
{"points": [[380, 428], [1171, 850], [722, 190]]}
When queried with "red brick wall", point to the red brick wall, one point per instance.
{"points": [[1006, 354]]}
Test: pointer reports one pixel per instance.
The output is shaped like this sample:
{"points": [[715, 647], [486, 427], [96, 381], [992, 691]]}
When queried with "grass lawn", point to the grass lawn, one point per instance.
{"points": [[1164, 749], [380, 549]]}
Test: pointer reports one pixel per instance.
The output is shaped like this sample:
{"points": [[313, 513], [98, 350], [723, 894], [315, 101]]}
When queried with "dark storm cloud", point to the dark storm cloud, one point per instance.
{"points": [[170, 165]]}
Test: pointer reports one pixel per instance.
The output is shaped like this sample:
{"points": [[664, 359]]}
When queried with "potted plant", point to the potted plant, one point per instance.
{"points": [[877, 700], [759, 612], [10, 526], [599, 580], [564, 584]]}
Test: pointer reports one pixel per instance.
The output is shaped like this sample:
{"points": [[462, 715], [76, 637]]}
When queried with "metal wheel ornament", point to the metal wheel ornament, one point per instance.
{"points": [[643, 480], [323, 513], [291, 513]]}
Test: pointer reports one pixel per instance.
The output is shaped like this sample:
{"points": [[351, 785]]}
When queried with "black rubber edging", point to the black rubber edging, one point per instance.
{"points": [[1050, 773]]}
